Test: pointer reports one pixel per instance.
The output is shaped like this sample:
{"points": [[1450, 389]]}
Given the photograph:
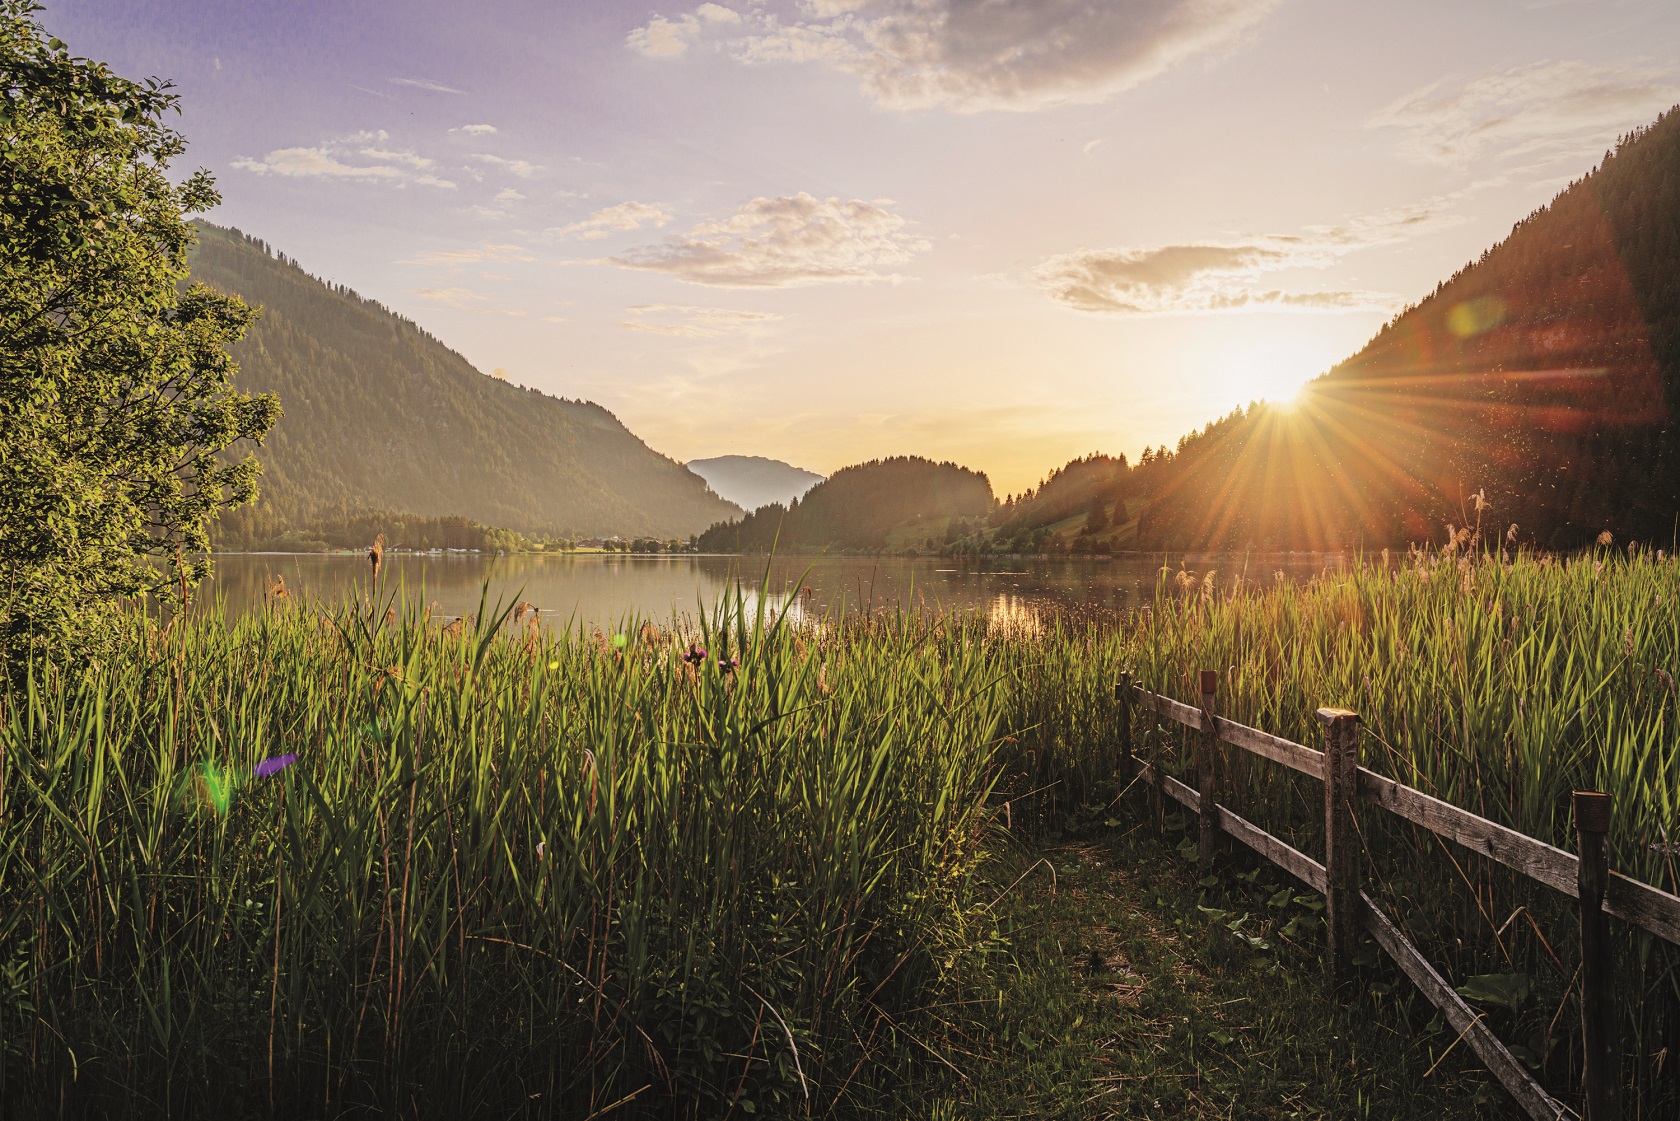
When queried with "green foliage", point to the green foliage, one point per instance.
{"points": [[115, 390], [380, 415], [1497, 685], [860, 507], [510, 874]]}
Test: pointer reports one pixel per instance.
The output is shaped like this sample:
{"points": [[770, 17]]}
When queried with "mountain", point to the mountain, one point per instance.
{"points": [[886, 503], [380, 415], [751, 481], [1533, 395]]}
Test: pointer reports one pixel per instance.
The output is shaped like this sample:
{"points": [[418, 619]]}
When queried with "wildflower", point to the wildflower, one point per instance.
{"points": [[273, 765], [542, 850], [696, 654], [728, 664]]}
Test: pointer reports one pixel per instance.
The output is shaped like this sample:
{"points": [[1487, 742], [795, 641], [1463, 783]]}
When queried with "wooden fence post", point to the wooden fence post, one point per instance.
{"points": [[1602, 1052], [1341, 844], [1207, 772]]}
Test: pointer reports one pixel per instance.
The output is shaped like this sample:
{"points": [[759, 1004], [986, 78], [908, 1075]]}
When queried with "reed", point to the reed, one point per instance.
{"points": [[1499, 683], [510, 872], [726, 865]]}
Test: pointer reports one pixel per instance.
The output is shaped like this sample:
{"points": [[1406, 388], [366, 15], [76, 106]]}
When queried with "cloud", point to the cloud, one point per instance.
{"points": [[664, 38], [484, 253], [785, 242], [1552, 109], [521, 168], [508, 194], [461, 299], [475, 130], [1091, 146], [347, 158], [408, 158], [696, 322], [970, 56], [614, 219], [464, 299], [313, 163], [1232, 275], [425, 84]]}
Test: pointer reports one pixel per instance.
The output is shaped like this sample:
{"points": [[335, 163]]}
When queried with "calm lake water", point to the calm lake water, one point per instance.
{"points": [[601, 589]]}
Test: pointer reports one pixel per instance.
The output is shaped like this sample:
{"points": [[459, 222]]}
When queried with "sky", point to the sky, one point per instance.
{"points": [[1002, 232]]}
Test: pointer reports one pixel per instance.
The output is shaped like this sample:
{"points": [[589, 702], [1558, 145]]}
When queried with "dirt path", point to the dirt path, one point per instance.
{"points": [[1134, 989]]}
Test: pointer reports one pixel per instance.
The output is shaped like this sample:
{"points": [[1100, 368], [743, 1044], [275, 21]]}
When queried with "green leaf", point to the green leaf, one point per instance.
{"points": [[1507, 990]]}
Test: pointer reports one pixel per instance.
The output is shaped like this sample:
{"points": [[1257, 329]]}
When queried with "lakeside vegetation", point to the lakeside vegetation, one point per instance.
{"points": [[513, 871]]}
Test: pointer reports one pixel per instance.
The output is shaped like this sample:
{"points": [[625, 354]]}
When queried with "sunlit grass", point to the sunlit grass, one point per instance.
{"points": [[525, 871]]}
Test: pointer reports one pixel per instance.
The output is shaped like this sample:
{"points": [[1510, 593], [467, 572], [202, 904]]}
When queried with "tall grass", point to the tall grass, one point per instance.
{"points": [[1499, 684], [512, 872], [525, 872]]}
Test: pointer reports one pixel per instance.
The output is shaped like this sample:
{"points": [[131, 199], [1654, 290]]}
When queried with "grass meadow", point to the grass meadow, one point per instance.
{"points": [[732, 867]]}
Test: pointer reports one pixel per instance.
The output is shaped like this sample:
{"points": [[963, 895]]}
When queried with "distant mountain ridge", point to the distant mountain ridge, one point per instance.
{"points": [[751, 481], [380, 415], [879, 504]]}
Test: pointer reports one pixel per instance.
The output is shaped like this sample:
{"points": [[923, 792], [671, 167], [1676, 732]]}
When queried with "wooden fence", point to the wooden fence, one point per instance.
{"points": [[1583, 875]]}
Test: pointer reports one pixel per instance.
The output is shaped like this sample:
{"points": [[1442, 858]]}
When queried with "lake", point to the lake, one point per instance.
{"points": [[601, 589]]}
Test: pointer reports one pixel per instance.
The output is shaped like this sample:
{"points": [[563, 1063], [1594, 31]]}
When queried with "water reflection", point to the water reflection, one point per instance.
{"points": [[596, 590]]}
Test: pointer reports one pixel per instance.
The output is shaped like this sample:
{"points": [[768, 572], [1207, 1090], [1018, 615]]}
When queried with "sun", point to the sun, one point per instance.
{"points": [[1275, 366]]}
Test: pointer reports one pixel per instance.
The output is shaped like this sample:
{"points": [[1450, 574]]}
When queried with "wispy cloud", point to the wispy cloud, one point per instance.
{"points": [[785, 242], [965, 56], [316, 163], [475, 130], [522, 168], [696, 322], [425, 84], [360, 156], [488, 252], [464, 299], [409, 159], [613, 219], [1551, 109], [1232, 275]]}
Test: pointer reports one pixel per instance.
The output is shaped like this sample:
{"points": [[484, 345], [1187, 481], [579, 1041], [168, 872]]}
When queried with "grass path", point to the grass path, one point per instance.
{"points": [[1134, 989]]}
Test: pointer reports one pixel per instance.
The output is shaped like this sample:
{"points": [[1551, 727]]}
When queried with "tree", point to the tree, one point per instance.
{"points": [[1096, 515], [116, 394]]}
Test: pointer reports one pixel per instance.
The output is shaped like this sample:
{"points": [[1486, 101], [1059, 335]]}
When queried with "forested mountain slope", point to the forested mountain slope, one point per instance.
{"points": [[862, 507], [381, 415], [1542, 377]]}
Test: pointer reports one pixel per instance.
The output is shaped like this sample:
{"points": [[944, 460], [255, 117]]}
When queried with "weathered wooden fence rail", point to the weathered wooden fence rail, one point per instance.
{"points": [[1583, 875]]}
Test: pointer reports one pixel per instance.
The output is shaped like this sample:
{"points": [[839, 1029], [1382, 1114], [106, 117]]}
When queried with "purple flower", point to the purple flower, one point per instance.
{"points": [[273, 765], [696, 654], [727, 664]]}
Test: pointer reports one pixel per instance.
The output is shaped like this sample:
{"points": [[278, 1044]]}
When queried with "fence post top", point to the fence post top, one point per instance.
{"points": [[1592, 811], [1210, 681], [1337, 716]]}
